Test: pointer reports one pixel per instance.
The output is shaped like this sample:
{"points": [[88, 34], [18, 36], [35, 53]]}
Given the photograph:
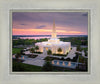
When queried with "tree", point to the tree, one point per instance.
{"points": [[37, 48], [32, 50], [17, 56], [78, 48], [49, 52], [47, 67], [59, 50], [21, 52]]}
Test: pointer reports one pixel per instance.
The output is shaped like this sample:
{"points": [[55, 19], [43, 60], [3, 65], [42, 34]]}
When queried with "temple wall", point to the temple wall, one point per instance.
{"points": [[54, 47]]}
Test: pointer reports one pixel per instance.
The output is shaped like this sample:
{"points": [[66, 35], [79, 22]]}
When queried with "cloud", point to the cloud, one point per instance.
{"points": [[67, 21], [40, 27], [23, 24]]}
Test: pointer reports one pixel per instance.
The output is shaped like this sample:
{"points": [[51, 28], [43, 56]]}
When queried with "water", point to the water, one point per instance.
{"points": [[60, 62], [33, 37], [55, 62], [72, 65], [43, 36], [24, 57], [66, 63]]}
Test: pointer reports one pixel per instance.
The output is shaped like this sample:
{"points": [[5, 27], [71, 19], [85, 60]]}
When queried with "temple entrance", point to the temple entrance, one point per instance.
{"points": [[45, 49]]}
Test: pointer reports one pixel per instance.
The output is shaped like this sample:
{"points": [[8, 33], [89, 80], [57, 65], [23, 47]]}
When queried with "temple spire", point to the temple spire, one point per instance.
{"points": [[54, 30]]}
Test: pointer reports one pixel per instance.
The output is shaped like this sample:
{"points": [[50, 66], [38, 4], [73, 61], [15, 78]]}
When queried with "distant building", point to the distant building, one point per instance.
{"points": [[54, 44]]}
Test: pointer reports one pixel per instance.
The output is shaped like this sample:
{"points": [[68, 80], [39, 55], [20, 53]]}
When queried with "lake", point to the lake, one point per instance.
{"points": [[43, 36]]}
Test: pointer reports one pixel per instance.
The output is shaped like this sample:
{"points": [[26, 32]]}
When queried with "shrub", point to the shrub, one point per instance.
{"points": [[51, 58], [37, 47], [75, 59], [38, 52], [32, 56], [18, 55], [59, 50], [47, 67], [49, 52], [32, 50], [59, 54], [68, 59], [62, 58]]}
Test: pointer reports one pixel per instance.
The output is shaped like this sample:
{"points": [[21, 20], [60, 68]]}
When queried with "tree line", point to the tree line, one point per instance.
{"points": [[73, 40]]}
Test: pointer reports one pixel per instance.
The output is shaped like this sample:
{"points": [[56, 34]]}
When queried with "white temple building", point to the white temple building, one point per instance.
{"points": [[54, 44]]}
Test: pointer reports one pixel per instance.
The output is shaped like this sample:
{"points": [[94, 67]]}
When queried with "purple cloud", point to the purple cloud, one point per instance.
{"points": [[40, 27]]}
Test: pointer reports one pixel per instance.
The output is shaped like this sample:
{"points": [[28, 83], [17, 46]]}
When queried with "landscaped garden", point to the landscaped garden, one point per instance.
{"points": [[60, 55], [32, 56], [51, 58], [19, 66]]}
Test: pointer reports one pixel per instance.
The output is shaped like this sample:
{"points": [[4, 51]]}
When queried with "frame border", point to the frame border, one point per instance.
{"points": [[50, 10]]}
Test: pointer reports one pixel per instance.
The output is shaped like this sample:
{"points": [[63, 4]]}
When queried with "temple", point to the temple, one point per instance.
{"points": [[54, 44]]}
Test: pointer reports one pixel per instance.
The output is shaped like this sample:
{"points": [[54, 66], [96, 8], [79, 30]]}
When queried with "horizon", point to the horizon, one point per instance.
{"points": [[41, 23]]}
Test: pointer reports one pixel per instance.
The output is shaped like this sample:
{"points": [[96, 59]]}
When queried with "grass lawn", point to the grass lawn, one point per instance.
{"points": [[16, 50], [21, 67]]}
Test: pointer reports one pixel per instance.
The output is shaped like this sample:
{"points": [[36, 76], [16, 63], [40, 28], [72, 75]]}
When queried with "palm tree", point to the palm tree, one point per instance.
{"points": [[59, 50], [37, 48], [49, 52]]}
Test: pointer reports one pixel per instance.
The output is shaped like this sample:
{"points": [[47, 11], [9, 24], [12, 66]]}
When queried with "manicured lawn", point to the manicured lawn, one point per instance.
{"points": [[21, 67], [16, 50]]}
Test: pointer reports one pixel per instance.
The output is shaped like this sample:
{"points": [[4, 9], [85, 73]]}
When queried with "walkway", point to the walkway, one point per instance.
{"points": [[71, 54], [38, 61], [83, 54], [34, 62]]}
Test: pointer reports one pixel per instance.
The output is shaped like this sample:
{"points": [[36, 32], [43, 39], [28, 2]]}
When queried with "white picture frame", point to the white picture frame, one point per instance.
{"points": [[8, 78]]}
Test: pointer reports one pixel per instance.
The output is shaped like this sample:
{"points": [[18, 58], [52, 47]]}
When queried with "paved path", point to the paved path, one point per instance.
{"points": [[38, 61], [83, 54], [55, 56], [27, 52], [35, 62], [71, 54]]}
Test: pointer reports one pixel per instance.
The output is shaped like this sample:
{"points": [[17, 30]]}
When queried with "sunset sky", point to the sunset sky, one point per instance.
{"points": [[41, 23]]}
